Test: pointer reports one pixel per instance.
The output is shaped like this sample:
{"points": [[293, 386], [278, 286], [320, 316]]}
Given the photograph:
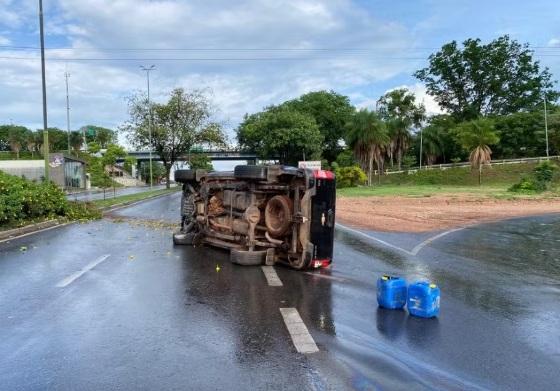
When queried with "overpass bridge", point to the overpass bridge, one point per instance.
{"points": [[214, 155]]}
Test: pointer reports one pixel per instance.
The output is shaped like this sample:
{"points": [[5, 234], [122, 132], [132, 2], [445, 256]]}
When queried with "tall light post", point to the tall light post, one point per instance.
{"points": [[546, 125], [45, 126], [147, 70], [66, 76], [421, 142]]}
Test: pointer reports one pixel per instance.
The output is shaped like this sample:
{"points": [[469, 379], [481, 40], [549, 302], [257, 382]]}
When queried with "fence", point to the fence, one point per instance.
{"points": [[496, 162]]}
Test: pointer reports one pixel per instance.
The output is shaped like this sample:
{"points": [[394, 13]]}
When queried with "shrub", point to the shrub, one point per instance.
{"points": [[82, 211], [526, 185], [544, 172], [542, 177], [23, 201], [350, 176]]}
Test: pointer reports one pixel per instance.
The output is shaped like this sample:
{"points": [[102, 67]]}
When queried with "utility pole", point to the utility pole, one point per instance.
{"points": [[546, 125], [147, 70], [421, 142], [45, 126], [66, 76]]}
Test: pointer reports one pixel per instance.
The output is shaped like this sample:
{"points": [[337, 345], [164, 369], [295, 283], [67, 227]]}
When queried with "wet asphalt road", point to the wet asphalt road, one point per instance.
{"points": [[153, 316]]}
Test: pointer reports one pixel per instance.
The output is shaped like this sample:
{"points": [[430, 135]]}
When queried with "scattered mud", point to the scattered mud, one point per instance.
{"points": [[157, 225], [438, 212]]}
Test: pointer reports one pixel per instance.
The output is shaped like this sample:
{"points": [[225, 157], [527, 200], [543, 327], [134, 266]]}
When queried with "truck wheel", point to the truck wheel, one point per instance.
{"points": [[184, 176], [278, 215], [259, 173], [247, 258], [183, 239]]}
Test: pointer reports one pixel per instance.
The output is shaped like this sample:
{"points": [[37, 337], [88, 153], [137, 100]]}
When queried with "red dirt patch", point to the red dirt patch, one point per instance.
{"points": [[439, 212]]}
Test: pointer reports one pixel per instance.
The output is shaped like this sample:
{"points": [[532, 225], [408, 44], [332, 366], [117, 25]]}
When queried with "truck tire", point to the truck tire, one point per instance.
{"points": [[184, 176], [247, 258], [183, 239], [259, 173], [278, 215]]}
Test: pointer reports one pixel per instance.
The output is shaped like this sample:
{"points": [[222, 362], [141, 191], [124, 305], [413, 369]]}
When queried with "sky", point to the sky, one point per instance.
{"points": [[246, 54]]}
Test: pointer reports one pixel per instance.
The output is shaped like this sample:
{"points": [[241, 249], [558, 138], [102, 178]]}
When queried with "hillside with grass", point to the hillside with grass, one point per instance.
{"points": [[496, 180]]}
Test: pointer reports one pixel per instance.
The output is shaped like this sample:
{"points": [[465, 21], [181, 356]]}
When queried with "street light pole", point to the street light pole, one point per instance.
{"points": [[147, 70], [546, 125], [66, 76], [421, 142], [45, 126]]}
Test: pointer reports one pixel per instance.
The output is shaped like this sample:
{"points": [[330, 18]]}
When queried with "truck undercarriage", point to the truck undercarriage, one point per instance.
{"points": [[262, 214]]}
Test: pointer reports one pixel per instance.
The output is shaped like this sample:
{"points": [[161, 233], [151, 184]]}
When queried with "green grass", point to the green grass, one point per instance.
{"points": [[495, 183], [130, 198], [419, 190]]}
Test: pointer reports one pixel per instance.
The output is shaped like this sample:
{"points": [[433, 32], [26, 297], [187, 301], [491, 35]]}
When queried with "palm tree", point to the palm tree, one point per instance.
{"points": [[30, 143], [476, 136], [432, 144], [399, 109], [367, 136], [17, 138]]}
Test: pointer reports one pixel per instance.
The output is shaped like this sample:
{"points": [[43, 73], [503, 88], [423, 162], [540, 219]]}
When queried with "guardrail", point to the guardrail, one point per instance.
{"points": [[496, 162]]}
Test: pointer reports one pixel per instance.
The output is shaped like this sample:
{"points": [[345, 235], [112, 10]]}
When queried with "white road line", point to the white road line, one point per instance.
{"points": [[414, 251], [70, 279], [36, 232], [374, 238], [420, 246], [303, 341], [271, 276]]}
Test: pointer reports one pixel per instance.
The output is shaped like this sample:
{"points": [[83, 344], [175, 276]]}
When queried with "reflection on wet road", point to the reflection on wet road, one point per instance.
{"points": [[154, 316]]}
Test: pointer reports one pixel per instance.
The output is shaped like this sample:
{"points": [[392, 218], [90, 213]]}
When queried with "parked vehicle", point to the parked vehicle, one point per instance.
{"points": [[262, 214]]}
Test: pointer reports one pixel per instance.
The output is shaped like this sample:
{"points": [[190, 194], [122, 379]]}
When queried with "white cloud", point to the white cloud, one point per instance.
{"points": [[419, 91], [98, 88], [4, 40], [554, 42]]}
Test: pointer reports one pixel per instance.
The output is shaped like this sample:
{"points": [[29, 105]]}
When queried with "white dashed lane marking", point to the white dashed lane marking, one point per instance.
{"points": [[303, 341], [271, 276], [70, 279]]}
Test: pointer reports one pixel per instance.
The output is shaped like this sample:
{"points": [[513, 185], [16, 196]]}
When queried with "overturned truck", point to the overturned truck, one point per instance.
{"points": [[261, 214]]}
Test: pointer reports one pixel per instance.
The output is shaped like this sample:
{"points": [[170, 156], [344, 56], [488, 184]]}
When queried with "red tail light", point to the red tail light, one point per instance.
{"points": [[321, 263]]}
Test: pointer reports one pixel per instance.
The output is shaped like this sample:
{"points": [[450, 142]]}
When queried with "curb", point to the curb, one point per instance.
{"points": [[30, 229], [112, 208]]}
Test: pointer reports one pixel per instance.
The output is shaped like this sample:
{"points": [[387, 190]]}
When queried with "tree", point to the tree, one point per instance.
{"points": [[110, 157], [76, 141], [17, 138], [368, 137], [476, 136], [102, 136], [331, 112], [58, 139], [94, 147], [498, 78], [184, 121], [281, 133], [158, 171], [4, 144], [200, 161], [399, 109], [129, 162]]}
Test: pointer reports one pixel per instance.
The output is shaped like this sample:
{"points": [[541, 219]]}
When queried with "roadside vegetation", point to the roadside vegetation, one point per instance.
{"points": [[23, 202], [502, 181], [502, 119]]}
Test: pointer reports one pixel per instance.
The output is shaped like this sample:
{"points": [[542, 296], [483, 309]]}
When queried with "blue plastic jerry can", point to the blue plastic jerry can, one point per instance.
{"points": [[391, 292], [423, 299]]}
